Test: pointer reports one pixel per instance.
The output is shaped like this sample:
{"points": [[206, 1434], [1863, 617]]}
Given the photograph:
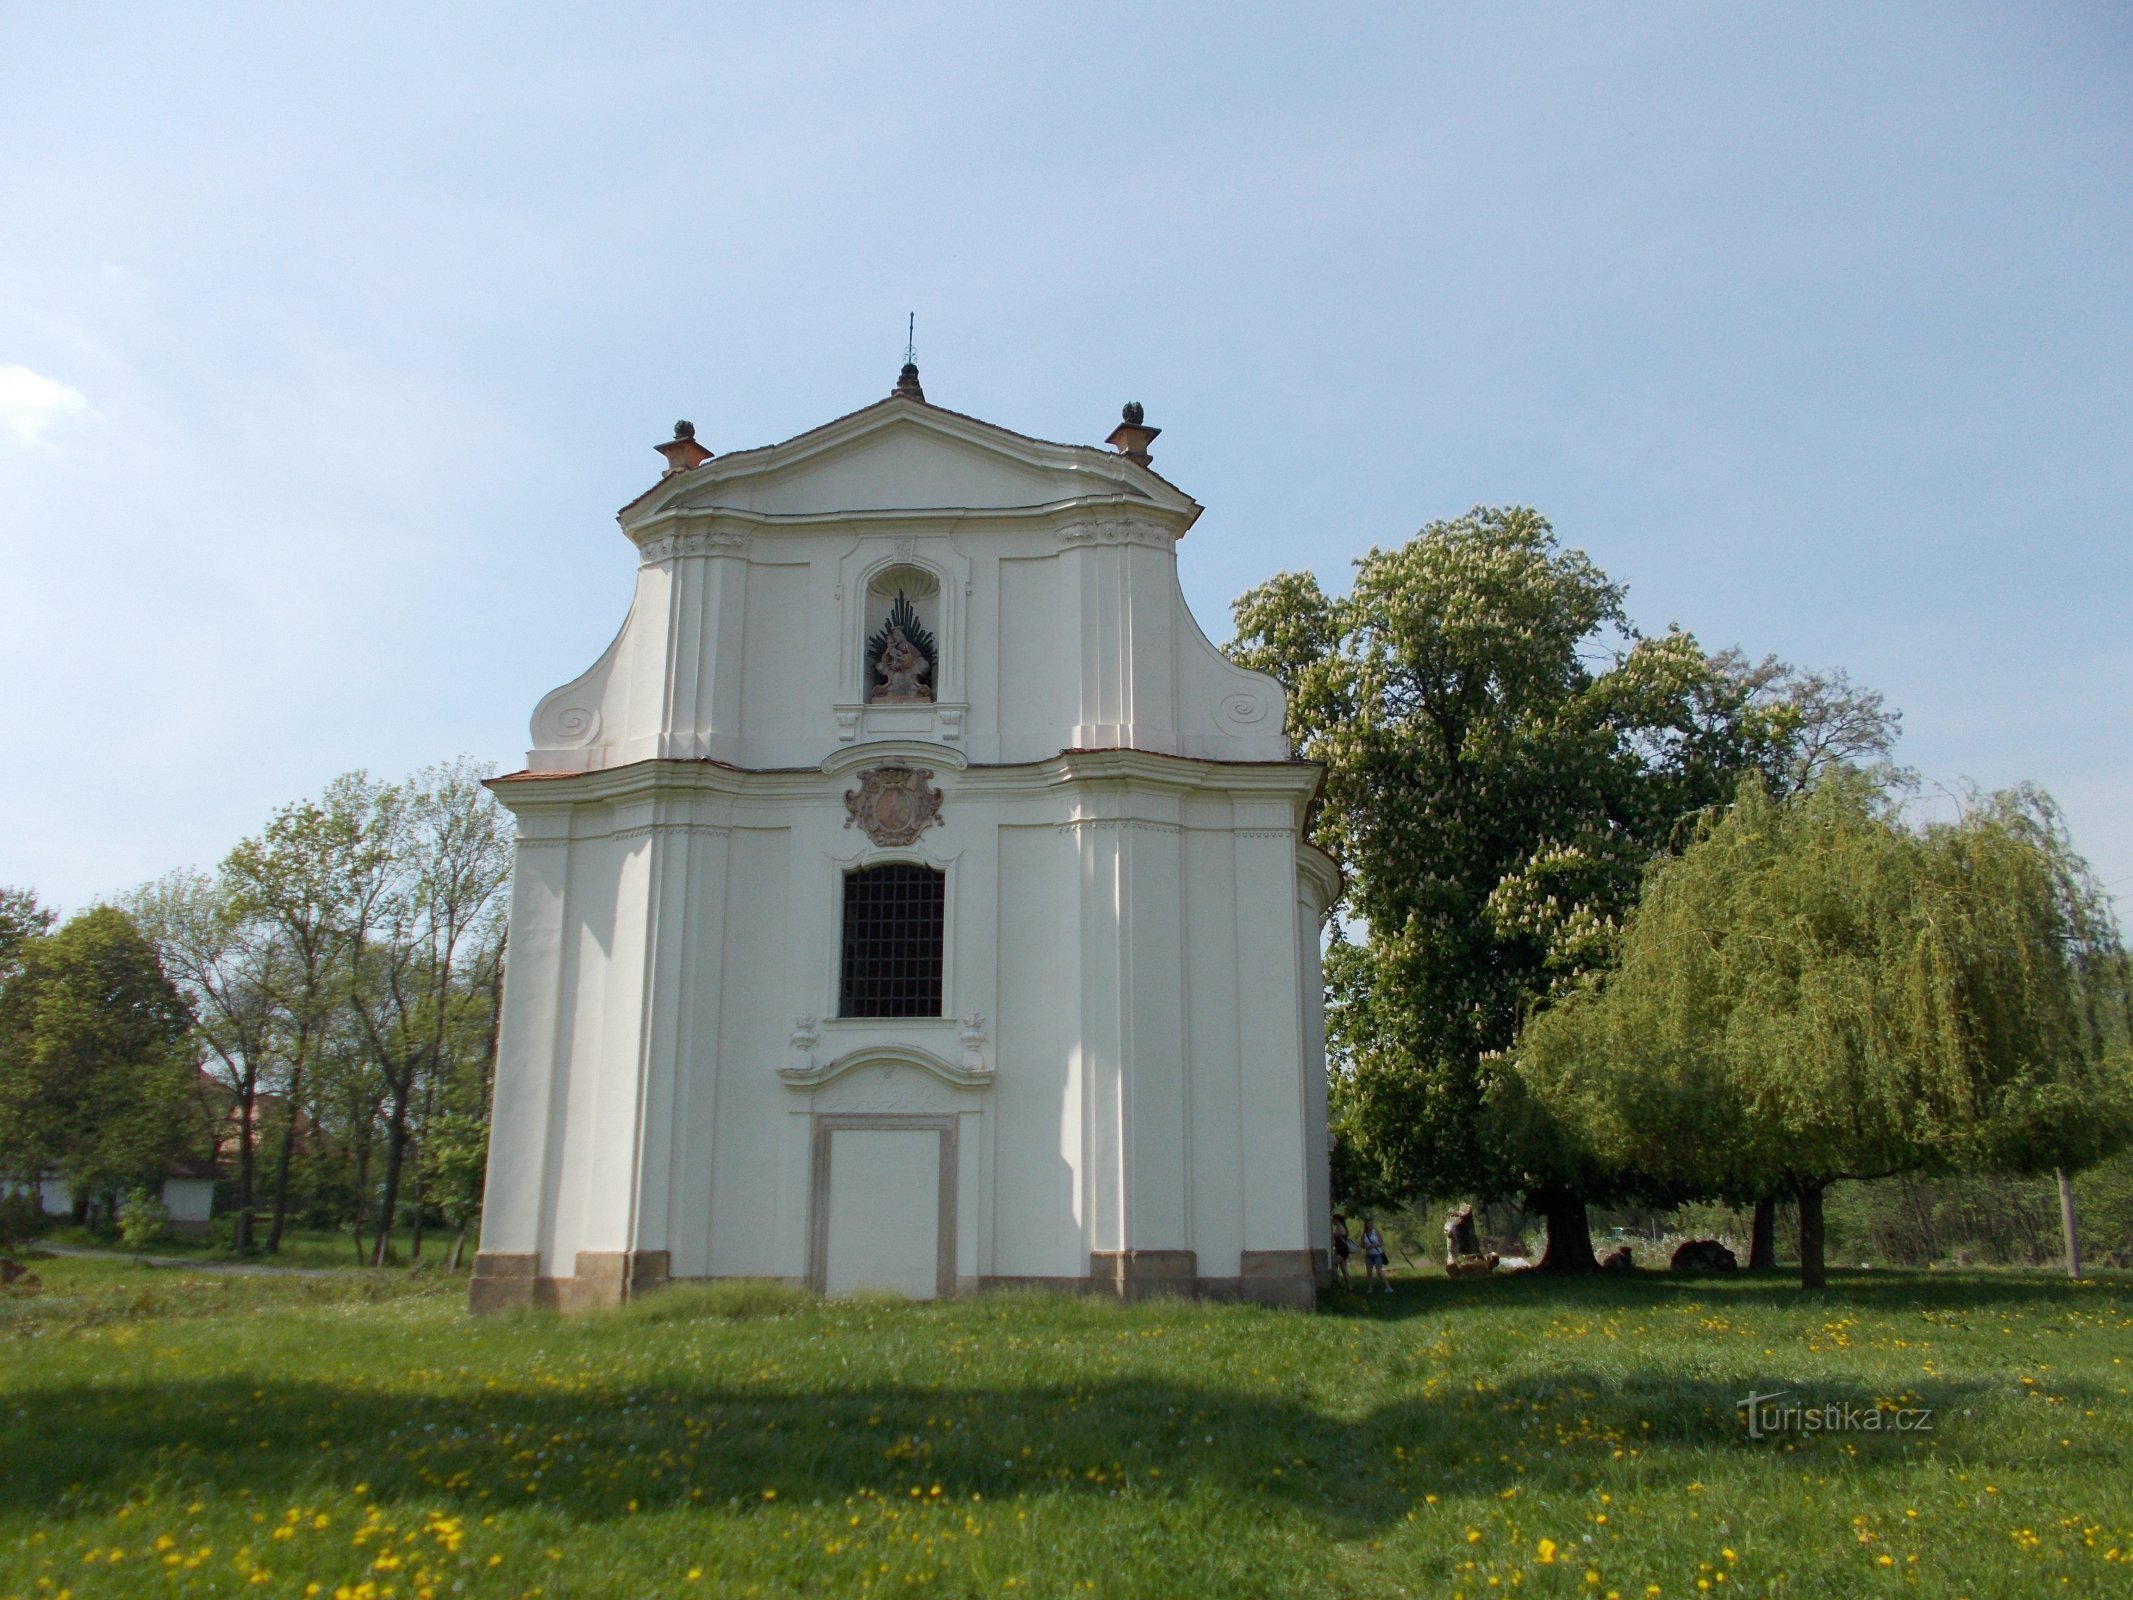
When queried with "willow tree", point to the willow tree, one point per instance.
{"points": [[1814, 991], [1504, 753]]}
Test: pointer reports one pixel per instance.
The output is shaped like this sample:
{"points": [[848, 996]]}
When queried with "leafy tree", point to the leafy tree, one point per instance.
{"points": [[234, 968], [95, 1058], [21, 920], [455, 1159], [1828, 723], [1503, 754], [309, 877], [1814, 991], [443, 859]]}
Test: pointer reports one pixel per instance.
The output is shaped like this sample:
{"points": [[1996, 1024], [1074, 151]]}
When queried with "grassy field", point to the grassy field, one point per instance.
{"points": [[175, 1433], [321, 1248]]}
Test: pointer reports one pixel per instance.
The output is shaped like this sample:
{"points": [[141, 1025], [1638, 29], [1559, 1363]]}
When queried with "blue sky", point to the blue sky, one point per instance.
{"points": [[331, 338]]}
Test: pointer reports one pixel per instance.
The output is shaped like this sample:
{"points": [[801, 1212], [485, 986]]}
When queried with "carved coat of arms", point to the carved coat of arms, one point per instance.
{"points": [[893, 805]]}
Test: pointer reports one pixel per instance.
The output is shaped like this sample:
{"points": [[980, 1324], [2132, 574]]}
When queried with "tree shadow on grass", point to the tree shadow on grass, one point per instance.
{"points": [[596, 1450], [1895, 1292]]}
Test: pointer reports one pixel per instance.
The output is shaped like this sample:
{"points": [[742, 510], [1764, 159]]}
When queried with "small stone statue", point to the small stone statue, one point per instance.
{"points": [[901, 667]]}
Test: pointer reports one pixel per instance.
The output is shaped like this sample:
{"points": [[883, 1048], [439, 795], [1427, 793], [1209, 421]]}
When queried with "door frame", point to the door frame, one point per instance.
{"points": [[826, 1126]]}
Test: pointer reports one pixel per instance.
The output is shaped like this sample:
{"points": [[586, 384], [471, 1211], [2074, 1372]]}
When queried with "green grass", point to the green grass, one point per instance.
{"points": [[173, 1433], [300, 1247]]}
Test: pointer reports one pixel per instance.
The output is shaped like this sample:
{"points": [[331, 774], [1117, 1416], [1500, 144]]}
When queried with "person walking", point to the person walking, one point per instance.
{"points": [[1341, 1250], [1373, 1257]]}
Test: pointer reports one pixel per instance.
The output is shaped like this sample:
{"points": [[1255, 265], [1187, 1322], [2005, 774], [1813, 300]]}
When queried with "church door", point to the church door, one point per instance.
{"points": [[884, 1205]]}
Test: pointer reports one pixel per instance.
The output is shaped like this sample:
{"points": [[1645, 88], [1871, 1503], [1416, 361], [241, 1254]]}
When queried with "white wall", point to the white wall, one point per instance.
{"points": [[189, 1202]]}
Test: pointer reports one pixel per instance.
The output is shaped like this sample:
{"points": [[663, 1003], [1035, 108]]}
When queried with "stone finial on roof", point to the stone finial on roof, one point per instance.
{"points": [[1132, 437], [682, 451], [907, 383]]}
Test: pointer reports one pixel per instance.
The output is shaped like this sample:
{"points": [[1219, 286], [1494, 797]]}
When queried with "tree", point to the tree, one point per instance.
{"points": [[310, 876], [1503, 756], [1814, 991], [456, 1158], [1829, 724], [233, 967], [21, 920], [443, 858], [95, 1058]]}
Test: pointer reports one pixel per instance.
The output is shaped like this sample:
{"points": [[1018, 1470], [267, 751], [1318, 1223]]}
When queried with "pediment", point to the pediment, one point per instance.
{"points": [[901, 455]]}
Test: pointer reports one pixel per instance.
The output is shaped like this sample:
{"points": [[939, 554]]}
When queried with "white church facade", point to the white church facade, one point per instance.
{"points": [[910, 897]]}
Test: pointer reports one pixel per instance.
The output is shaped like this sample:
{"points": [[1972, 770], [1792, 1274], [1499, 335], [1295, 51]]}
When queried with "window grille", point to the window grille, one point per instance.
{"points": [[893, 922]]}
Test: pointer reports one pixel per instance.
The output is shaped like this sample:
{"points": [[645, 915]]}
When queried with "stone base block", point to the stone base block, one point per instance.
{"points": [[610, 1278], [503, 1282], [603, 1278], [1141, 1274], [1279, 1278]]}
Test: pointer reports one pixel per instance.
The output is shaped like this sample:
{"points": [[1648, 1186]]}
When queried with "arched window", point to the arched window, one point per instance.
{"points": [[894, 917]]}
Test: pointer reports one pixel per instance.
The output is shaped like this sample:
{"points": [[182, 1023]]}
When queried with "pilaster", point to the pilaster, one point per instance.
{"points": [[1270, 1073], [686, 876], [528, 1063]]}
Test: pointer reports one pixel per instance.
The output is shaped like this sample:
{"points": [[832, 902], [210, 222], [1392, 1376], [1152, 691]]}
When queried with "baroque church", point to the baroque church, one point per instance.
{"points": [[911, 897]]}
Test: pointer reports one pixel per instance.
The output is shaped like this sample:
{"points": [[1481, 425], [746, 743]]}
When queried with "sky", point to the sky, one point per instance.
{"points": [[332, 338]]}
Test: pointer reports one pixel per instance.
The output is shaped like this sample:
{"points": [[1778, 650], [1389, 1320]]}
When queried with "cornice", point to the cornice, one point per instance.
{"points": [[1153, 769], [958, 1075], [1127, 769], [687, 540], [1107, 518], [892, 753], [645, 830], [1088, 532], [1321, 869]]}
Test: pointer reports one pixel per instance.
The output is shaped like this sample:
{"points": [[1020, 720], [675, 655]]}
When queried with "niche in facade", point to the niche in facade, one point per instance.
{"points": [[902, 649]]}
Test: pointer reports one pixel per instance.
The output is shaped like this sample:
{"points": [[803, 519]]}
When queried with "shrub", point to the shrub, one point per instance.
{"points": [[142, 1220], [21, 1218]]}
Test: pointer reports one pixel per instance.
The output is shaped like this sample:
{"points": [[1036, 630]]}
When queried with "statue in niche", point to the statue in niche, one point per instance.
{"points": [[901, 658]]}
